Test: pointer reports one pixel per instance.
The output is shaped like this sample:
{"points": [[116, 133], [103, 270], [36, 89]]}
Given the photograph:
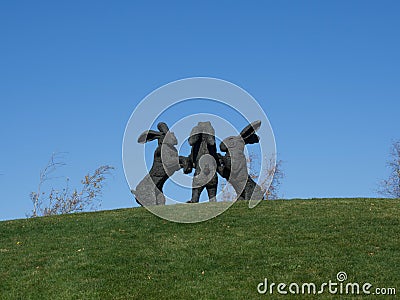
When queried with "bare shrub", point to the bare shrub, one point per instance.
{"points": [[390, 187], [271, 171], [67, 200]]}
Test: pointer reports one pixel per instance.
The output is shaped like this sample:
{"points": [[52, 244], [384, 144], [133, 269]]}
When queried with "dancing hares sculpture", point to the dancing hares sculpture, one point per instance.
{"points": [[166, 161], [204, 159], [233, 164]]}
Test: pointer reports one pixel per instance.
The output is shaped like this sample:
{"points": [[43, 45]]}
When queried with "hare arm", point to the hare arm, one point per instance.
{"points": [[186, 163]]}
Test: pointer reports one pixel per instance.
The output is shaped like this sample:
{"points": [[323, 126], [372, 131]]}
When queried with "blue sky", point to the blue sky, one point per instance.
{"points": [[327, 74]]}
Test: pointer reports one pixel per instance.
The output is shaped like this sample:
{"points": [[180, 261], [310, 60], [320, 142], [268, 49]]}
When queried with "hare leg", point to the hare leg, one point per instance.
{"points": [[160, 198], [196, 194], [212, 194]]}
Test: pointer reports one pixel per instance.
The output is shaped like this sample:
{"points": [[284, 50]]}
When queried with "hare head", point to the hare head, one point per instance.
{"points": [[164, 136], [247, 136], [203, 131]]}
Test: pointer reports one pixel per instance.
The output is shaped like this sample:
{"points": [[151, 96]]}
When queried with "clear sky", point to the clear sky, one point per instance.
{"points": [[327, 74]]}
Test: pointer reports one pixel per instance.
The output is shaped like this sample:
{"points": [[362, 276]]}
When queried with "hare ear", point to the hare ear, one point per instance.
{"points": [[210, 135], [248, 134], [194, 136], [252, 139], [163, 127], [148, 135]]}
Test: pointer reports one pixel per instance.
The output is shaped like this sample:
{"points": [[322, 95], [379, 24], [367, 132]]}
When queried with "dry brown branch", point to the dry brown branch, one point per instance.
{"points": [[391, 187], [271, 172], [65, 201]]}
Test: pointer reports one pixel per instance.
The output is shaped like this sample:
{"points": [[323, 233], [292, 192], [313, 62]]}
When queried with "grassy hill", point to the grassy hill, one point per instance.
{"points": [[131, 254]]}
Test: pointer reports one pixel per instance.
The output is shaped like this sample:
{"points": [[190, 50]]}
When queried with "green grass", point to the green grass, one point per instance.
{"points": [[131, 254]]}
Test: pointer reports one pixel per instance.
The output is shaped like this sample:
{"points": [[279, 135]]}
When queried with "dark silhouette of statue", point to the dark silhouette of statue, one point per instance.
{"points": [[233, 165], [166, 161], [203, 158]]}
